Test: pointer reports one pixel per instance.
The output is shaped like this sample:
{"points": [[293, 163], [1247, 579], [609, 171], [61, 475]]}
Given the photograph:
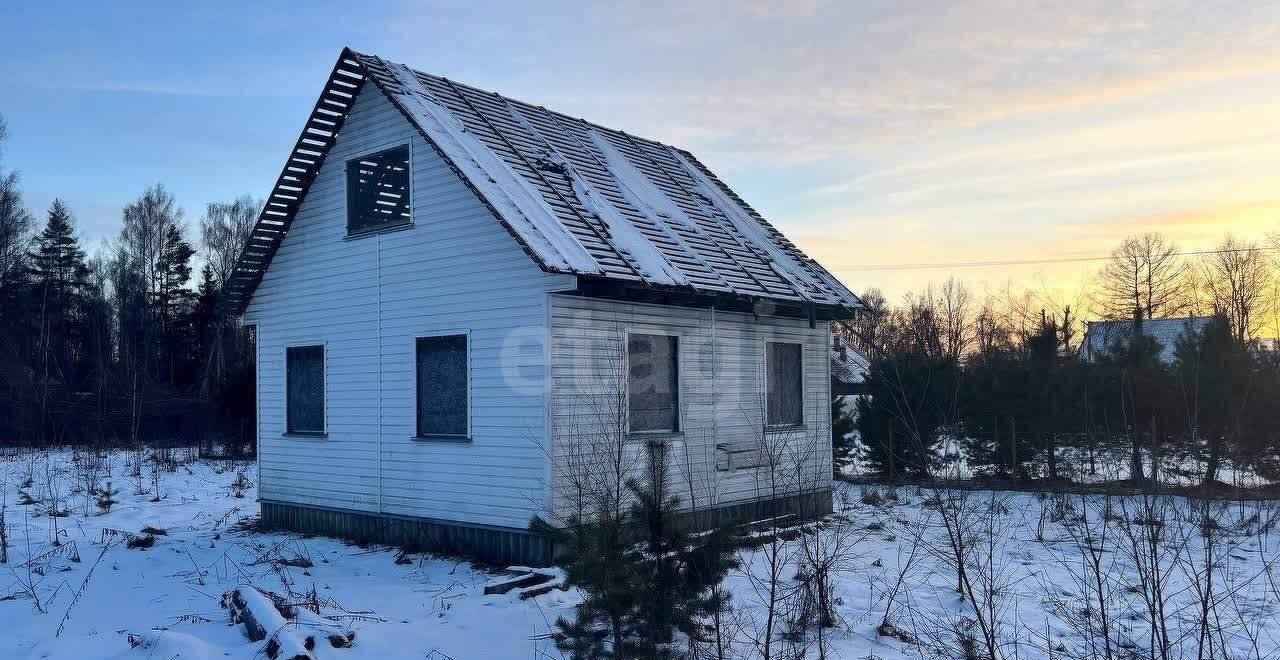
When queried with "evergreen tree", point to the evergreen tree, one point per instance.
{"points": [[642, 575], [59, 277], [1046, 392], [1130, 395], [993, 408], [912, 402], [1259, 442], [172, 302], [203, 320], [675, 579], [1215, 373], [655, 562], [842, 428], [592, 550]]}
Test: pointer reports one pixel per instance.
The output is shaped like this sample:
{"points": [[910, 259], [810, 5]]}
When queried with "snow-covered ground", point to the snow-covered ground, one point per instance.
{"points": [[170, 592], [93, 596]]}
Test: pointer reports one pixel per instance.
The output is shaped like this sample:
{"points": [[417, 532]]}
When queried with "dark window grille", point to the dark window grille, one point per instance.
{"points": [[442, 386], [653, 390], [378, 190], [785, 404], [304, 366]]}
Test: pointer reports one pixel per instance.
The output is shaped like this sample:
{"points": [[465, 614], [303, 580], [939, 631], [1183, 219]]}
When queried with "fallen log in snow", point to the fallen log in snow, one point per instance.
{"points": [[291, 630], [263, 619]]}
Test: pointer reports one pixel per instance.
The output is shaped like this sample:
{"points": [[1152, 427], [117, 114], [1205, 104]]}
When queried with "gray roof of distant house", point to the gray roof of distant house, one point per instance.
{"points": [[847, 365], [1102, 335]]}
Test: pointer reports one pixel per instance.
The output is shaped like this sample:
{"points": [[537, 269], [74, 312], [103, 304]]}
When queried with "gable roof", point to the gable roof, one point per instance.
{"points": [[580, 198], [848, 366], [1102, 335]]}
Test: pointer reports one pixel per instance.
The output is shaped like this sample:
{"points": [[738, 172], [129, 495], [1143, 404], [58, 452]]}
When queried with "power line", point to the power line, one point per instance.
{"points": [[1025, 262]]}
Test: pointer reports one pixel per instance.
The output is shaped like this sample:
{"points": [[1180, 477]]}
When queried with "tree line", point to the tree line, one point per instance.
{"points": [[128, 345], [1001, 388]]}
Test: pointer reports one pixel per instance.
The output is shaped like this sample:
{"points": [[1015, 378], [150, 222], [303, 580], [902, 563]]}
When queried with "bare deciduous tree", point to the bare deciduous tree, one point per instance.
{"points": [[1236, 277], [1146, 272], [954, 304], [15, 235], [864, 331], [990, 333], [225, 231]]}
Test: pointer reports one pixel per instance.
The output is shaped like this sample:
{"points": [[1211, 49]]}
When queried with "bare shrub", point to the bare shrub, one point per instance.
{"points": [[965, 534]]}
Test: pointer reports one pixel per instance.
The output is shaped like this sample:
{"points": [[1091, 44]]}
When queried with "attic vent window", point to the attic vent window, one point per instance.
{"points": [[378, 190]]}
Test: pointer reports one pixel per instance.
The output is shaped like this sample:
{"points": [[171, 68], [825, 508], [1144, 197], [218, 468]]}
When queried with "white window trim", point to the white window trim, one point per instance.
{"points": [[764, 366], [413, 349], [346, 188], [626, 379], [284, 400]]}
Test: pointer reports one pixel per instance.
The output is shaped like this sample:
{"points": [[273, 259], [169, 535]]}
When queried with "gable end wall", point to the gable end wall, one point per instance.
{"points": [[367, 299]]}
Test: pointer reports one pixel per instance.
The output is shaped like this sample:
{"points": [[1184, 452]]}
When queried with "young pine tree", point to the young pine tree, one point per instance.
{"points": [[675, 578], [842, 427], [643, 577], [1215, 372], [591, 548]]}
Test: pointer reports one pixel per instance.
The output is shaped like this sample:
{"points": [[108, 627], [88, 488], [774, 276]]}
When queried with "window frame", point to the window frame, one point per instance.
{"points": [[417, 409], [765, 368], [679, 386], [347, 192], [324, 393]]}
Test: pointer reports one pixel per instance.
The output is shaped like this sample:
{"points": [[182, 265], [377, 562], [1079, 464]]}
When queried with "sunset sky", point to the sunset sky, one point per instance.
{"points": [[878, 135]]}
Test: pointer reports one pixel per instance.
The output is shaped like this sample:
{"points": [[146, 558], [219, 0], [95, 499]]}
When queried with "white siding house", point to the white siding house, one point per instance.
{"points": [[429, 339]]}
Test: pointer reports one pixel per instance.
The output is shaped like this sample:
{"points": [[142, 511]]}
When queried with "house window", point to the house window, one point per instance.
{"points": [[378, 190], [785, 405], [304, 375], [653, 399], [442, 386]]}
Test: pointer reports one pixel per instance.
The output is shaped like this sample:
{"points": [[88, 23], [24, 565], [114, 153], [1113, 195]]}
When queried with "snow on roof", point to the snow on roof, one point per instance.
{"points": [[847, 365], [589, 200], [1102, 335], [520, 204]]}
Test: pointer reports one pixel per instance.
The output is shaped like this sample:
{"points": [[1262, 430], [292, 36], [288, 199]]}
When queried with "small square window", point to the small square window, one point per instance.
{"points": [[378, 190], [442, 386], [653, 391], [785, 405], [304, 398]]}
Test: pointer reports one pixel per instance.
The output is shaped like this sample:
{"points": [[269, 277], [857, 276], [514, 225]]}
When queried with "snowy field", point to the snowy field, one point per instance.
{"points": [[91, 583]]}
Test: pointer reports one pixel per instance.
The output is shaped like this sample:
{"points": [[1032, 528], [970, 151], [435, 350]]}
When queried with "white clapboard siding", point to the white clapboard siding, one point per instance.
{"points": [[367, 299], [721, 363]]}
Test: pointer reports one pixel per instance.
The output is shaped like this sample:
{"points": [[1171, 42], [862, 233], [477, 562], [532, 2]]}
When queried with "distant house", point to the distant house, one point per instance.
{"points": [[449, 286], [848, 368], [1101, 336]]}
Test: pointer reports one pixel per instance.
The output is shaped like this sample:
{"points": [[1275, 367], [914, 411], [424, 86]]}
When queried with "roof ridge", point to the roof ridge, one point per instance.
{"points": [[511, 99], [499, 147]]}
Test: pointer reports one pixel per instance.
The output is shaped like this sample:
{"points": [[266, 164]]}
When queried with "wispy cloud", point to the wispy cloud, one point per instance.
{"points": [[875, 131]]}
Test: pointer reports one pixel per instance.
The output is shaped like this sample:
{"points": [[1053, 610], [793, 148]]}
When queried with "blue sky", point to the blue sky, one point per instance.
{"points": [[873, 133]]}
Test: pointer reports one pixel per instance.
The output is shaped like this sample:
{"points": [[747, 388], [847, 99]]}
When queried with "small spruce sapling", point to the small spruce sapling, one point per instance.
{"points": [[106, 497]]}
